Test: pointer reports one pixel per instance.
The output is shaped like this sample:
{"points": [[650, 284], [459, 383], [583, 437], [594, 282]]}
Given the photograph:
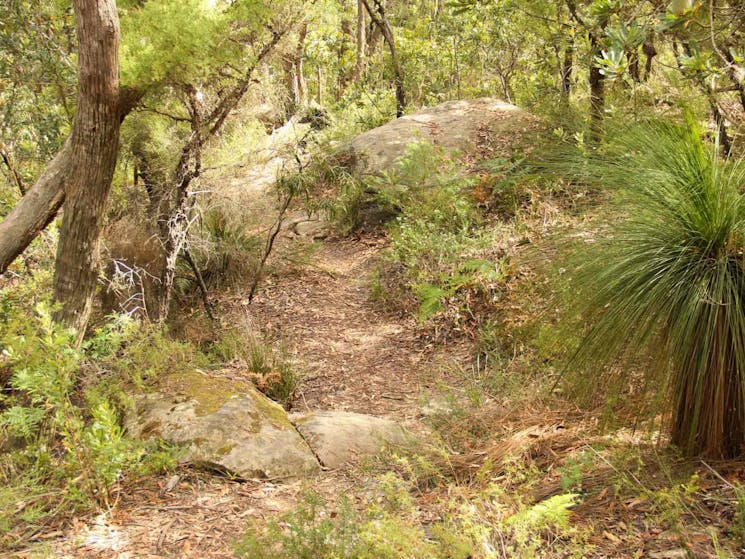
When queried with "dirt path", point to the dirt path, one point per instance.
{"points": [[354, 357]]}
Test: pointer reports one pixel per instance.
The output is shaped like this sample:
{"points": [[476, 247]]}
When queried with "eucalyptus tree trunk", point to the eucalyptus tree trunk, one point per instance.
{"points": [[93, 145], [36, 209], [361, 38], [379, 17], [41, 203], [596, 78], [294, 68]]}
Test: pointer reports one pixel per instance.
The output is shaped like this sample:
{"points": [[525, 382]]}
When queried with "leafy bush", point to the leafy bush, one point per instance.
{"points": [[60, 433], [447, 257]]}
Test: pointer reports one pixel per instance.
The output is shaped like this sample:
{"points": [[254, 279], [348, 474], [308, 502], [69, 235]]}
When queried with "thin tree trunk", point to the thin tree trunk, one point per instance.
{"points": [[596, 78], [567, 70], [319, 79], [650, 52], [597, 95], [634, 68], [437, 12], [200, 282], [343, 77], [381, 21], [733, 77], [373, 39], [719, 120], [716, 113], [175, 225], [14, 174], [269, 245], [174, 222], [293, 64], [361, 39], [94, 145], [456, 67]]}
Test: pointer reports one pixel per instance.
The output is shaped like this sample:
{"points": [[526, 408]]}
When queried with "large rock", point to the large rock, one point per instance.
{"points": [[224, 425], [340, 437], [456, 125]]}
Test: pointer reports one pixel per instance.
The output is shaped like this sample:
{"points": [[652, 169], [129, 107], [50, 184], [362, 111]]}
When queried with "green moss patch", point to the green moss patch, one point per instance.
{"points": [[212, 392], [209, 392]]}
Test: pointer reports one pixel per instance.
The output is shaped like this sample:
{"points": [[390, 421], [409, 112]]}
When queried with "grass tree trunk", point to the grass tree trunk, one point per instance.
{"points": [[93, 145], [709, 418], [667, 283]]}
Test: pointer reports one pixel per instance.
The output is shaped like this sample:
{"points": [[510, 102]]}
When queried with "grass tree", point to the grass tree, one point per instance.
{"points": [[668, 281]]}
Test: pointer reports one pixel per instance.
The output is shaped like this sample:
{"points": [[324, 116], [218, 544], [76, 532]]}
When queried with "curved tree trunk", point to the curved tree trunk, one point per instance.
{"points": [[94, 146], [41, 203]]}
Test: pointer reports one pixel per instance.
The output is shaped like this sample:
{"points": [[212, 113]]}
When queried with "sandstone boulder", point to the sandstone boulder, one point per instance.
{"points": [[463, 126], [340, 437], [223, 425]]}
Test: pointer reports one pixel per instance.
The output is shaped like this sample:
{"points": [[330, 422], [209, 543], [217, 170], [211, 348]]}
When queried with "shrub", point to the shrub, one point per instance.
{"points": [[225, 250], [668, 279], [60, 435], [313, 531], [269, 368], [448, 258]]}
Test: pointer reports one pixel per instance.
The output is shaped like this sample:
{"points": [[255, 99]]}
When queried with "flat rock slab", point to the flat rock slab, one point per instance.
{"points": [[307, 226], [223, 425], [455, 125], [341, 437]]}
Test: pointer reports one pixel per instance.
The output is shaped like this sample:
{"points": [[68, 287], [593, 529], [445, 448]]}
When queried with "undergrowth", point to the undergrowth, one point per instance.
{"points": [[63, 450], [268, 366], [484, 524], [444, 254], [63, 447]]}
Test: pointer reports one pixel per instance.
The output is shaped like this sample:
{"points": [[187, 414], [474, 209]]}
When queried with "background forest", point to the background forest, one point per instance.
{"points": [[563, 301]]}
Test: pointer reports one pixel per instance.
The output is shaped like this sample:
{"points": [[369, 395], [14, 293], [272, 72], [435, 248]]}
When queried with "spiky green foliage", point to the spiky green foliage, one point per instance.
{"points": [[668, 279]]}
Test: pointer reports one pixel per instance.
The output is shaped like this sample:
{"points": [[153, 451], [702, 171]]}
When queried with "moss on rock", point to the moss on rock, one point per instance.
{"points": [[210, 392]]}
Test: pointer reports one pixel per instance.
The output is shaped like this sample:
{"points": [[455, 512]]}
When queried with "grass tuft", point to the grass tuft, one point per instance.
{"points": [[666, 282]]}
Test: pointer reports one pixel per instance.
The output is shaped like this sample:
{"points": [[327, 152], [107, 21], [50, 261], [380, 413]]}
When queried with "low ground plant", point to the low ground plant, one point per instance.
{"points": [[486, 524], [268, 366], [63, 447], [442, 255]]}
